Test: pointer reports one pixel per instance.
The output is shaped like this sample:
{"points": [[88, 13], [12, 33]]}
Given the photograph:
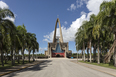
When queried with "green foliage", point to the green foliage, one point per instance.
{"points": [[99, 31], [14, 38], [8, 64], [101, 64]]}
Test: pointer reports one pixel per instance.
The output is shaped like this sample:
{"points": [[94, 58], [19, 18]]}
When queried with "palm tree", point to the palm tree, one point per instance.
{"points": [[5, 27], [29, 43], [22, 31], [6, 47], [35, 45], [81, 37], [90, 26], [96, 33], [18, 44], [109, 18]]}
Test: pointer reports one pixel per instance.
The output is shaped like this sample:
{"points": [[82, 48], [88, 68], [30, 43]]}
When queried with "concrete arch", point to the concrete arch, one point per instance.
{"points": [[61, 38]]}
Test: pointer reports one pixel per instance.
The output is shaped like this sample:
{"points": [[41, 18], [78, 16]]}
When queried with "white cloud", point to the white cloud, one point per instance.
{"points": [[3, 5], [65, 22], [93, 5], [69, 33], [81, 2], [10, 18], [25, 52], [42, 49], [72, 7], [83, 13]]}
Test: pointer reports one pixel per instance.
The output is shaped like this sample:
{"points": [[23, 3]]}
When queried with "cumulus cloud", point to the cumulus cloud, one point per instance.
{"points": [[94, 10], [42, 49], [3, 5], [69, 33], [81, 2], [78, 4], [10, 18], [72, 7], [65, 22], [83, 13]]}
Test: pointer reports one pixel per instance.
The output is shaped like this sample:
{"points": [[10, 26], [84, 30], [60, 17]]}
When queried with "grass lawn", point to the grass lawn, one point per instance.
{"points": [[16, 64], [101, 64]]}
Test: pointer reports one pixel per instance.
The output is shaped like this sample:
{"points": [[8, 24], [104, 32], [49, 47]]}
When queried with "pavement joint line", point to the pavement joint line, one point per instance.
{"points": [[96, 69], [17, 69]]}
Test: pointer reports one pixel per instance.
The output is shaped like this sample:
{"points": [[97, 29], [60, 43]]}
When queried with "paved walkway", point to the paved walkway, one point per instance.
{"points": [[58, 68], [98, 68], [16, 68]]}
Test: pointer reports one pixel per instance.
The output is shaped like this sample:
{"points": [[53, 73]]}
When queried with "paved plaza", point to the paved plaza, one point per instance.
{"points": [[58, 68]]}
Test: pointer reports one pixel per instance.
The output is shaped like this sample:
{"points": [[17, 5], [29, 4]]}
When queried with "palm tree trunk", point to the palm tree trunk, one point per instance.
{"points": [[115, 54], [5, 57], [90, 52], [94, 53], [98, 52], [18, 57], [33, 54], [29, 54], [115, 57], [23, 54], [1, 54], [2, 58], [77, 56], [82, 55], [84, 51], [14, 51], [13, 57]]}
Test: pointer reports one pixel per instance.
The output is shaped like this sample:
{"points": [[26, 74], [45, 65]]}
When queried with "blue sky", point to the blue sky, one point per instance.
{"points": [[39, 17]]}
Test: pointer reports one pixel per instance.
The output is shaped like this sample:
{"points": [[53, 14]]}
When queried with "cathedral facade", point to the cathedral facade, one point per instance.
{"points": [[58, 48]]}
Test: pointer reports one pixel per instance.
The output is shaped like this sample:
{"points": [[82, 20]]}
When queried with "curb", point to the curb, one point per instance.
{"points": [[96, 69], [17, 69]]}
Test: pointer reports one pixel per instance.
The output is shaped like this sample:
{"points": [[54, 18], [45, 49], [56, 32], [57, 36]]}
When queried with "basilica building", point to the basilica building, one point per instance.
{"points": [[58, 48]]}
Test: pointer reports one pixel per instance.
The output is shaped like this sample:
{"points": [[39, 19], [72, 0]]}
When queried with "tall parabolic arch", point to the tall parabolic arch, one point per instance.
{"points": [[58, 48]]}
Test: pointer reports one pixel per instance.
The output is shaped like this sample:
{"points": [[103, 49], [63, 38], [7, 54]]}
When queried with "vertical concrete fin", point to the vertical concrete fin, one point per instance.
{"points": [[61, 37]]}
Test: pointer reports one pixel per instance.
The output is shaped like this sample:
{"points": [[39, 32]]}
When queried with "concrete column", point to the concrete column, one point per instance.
{"points": [[61, 38]]}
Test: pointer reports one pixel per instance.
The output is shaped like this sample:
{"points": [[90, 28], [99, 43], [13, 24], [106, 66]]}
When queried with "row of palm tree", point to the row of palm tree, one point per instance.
{"points": [[14, 39], [98, 33]]}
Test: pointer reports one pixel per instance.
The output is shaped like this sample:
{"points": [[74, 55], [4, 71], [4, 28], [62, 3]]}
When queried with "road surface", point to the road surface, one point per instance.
{"points": [[58, 68]]}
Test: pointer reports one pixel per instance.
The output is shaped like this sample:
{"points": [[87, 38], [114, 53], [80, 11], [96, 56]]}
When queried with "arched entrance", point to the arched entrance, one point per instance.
{"points": [[58, 55], [58, 52]]}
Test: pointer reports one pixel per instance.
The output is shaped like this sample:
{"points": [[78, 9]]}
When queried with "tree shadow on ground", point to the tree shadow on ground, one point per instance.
{"points": [[37, 67]]}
